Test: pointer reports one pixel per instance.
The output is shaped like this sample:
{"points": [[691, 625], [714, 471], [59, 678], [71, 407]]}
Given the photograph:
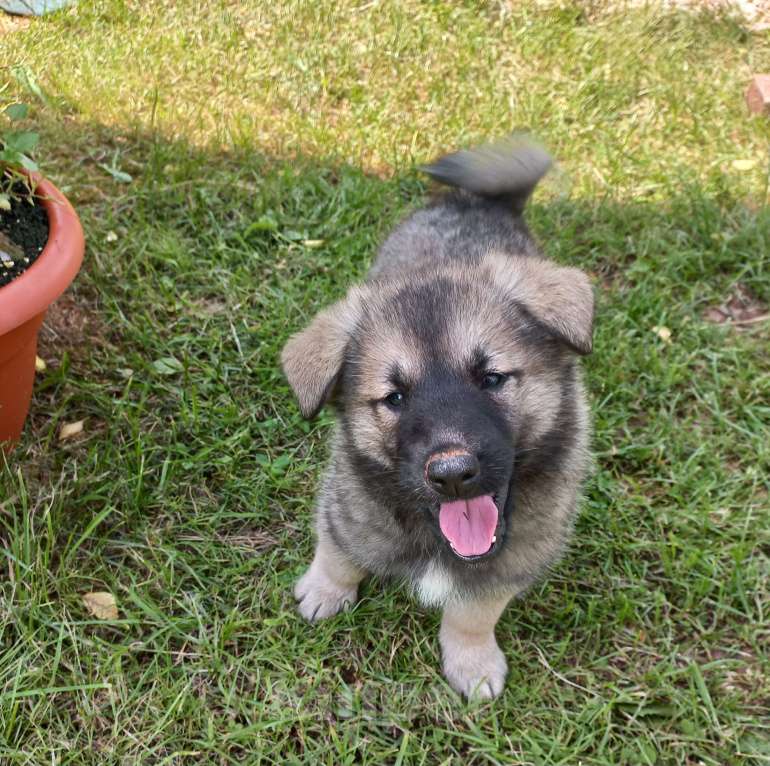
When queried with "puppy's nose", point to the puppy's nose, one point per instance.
{"points": [[454, 474]]}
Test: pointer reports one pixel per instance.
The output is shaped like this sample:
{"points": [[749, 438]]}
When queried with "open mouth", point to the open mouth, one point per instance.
{"points": [[471, 526]]}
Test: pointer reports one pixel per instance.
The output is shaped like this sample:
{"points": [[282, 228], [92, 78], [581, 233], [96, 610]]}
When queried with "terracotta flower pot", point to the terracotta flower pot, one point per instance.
{"points": [[24, 301]]}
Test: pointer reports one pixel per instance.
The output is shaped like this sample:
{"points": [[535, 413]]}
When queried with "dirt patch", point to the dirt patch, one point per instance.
{"points": [[741, 308], [746, 678], [71, 325], [754, 15], [10, 23], [246, 540]]}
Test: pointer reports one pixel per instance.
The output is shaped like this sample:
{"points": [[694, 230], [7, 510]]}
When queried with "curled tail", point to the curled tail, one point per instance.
{"points": [[507, 170]]}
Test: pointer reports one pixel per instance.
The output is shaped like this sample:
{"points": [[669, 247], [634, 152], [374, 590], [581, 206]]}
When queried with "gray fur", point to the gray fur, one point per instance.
{"points": [[508, 169], [457, 279], [493, 183]]}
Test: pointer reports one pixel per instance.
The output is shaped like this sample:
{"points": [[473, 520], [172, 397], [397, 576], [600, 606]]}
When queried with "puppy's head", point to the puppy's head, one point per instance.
{"points": [[449, 384]]}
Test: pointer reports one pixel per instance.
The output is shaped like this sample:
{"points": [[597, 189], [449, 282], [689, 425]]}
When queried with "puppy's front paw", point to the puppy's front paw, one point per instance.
{"points": [[319, 597], [477, 672]]}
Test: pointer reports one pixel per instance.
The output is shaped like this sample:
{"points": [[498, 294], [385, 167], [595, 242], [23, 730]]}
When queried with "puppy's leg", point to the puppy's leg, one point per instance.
{"points": [[329, 585], [472, 660]]}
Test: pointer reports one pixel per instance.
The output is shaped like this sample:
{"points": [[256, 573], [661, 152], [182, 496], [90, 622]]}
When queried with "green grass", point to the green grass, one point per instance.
{"points": [[251, 130]]}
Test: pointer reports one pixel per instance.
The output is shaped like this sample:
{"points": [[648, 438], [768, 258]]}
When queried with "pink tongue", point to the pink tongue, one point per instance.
{"points": [[469, 524]]}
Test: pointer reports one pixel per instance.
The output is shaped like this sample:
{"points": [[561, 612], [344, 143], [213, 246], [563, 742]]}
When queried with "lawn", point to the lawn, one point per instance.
{"points": [[270, 146]]}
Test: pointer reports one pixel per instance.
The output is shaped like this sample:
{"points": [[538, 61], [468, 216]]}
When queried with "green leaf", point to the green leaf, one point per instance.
{"points": [[26, 79], [117, 174], [17, 111], [754, 744], [21, 141], [264, 223], [12, 158], [27, 163], [281, 463], [167, 365], [16, 160], [5, 202]]}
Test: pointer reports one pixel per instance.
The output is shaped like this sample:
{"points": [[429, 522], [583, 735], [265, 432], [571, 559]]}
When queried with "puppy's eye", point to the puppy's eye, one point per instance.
{"points": [[493, 380], [395, 400]]}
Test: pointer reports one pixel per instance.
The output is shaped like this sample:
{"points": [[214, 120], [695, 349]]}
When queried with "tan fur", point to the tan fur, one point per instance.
{"points": [[311, 359], [385, 346], [329, 585], [560, 297], [373, 427], [472, 661]]}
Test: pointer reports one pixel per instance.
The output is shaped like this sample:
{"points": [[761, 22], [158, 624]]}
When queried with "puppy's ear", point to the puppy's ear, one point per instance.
{"points": [[312, 359], [559, 297]]}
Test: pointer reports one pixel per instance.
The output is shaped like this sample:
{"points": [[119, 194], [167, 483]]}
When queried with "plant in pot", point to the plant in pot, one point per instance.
{"points": [[41, 249]]}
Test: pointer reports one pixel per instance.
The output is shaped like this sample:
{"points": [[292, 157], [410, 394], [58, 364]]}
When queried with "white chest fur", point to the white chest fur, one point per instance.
{"points": [[435, 586]]}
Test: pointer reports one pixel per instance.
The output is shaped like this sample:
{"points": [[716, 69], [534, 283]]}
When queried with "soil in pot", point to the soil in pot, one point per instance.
{"points": [[23, 234]]}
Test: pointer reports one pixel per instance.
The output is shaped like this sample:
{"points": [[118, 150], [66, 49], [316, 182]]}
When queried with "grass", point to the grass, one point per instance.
{"points": [[271, 146]]}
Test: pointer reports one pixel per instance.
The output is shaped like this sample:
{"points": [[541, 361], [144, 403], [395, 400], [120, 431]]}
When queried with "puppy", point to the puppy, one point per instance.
{"points": [[462, 431]]}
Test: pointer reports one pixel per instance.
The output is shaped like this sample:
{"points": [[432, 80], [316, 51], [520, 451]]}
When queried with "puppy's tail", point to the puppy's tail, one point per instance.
{"points": [[506, 171]]}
